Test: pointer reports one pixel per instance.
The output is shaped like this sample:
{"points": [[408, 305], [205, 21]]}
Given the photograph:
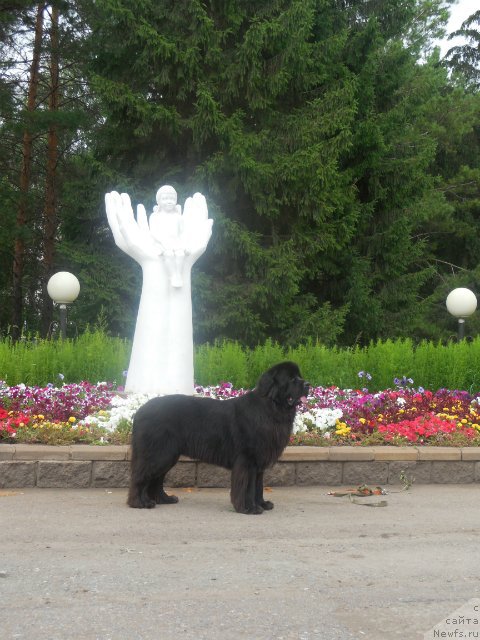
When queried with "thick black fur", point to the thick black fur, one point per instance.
{"points": [[245, 434]]}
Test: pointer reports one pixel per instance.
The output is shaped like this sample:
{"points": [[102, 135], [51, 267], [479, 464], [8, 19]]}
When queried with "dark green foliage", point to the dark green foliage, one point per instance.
{"points": [[246, 105], [465, 58], [314, 134], [341, 170]]}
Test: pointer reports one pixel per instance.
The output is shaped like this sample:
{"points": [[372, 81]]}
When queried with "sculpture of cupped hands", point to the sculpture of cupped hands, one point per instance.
{"points": [[135, 236]]}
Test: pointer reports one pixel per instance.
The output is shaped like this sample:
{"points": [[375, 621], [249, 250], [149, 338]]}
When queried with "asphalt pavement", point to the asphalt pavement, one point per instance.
{"points": [[81, 565]]}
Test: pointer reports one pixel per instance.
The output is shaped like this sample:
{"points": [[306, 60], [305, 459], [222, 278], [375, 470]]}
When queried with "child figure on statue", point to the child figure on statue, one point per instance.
{"points": [[166, 226]]}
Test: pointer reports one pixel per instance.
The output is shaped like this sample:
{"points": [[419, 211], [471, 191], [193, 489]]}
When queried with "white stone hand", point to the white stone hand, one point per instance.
{"points": [[197, 227], [130, 235]]}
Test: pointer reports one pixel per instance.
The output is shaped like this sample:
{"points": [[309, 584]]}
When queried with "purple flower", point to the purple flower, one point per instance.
{"points": [[364, 374], [402, 382]]}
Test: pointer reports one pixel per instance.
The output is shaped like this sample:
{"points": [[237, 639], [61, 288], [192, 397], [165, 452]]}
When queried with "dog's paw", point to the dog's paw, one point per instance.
{"points": [[141, 504], [166, 499], [255, 510], [267, 505]]}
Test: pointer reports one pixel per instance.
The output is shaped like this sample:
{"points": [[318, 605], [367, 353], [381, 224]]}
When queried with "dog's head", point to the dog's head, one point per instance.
{"points": [[283, 384]]}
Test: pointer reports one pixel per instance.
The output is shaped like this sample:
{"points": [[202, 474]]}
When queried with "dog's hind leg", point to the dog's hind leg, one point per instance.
{"points": [[163, 464], [140, 478], [265, 504], [157, 492], [243, 487], [138, 497]]}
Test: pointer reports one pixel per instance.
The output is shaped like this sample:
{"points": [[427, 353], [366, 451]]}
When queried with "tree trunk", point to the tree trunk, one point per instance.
{"points": [[24, 185], [50, 211]]}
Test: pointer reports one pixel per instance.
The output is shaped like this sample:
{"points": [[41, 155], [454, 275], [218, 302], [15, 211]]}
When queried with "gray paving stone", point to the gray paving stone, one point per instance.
{"points": [[208, 475], [17, 474], [183, 474], [419, 472], [319, 473], [7, 451], [356, 473], [453, 472], [110, 473], [281, 474], [70, 474]]}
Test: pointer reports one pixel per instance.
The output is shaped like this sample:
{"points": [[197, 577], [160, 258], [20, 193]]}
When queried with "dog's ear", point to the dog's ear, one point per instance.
{"points": [[265, 384]]}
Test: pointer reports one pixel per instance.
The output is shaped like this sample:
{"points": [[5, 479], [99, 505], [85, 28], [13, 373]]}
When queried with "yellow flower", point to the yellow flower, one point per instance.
{"points": [[72, 419], [342, 429], [40, 417], [362, 420], [463, 421]]}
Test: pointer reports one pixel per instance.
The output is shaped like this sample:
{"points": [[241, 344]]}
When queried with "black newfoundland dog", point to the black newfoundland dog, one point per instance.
{"points": [[245, 434]]}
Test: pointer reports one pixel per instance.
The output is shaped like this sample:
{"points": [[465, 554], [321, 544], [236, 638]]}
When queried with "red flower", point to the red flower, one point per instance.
{"points": [[421, 428]]}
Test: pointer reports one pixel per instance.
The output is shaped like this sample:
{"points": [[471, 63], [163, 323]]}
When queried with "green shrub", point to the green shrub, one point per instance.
{"points": [[94, 356]]}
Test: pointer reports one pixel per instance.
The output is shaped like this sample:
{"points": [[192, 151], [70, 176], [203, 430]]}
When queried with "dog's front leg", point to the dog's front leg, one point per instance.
{"points": [[264, 504], [243, 487], [252, 505]]}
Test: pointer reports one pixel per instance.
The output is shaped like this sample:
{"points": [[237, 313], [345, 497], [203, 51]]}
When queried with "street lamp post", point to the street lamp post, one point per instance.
{"points": [[63, 288], [461, 303]]}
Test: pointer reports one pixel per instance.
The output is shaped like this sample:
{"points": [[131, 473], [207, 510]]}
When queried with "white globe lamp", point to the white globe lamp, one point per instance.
{"points": [[63, 288], [461, 303]]}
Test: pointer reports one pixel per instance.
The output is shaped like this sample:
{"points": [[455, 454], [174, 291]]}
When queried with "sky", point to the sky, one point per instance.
{"points": [[458, 13]]}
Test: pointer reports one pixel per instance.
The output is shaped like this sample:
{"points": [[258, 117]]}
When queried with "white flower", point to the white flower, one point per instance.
{"points": [[121, 408], [322, 418], [299, 423], [326, 418], [401, 401]]}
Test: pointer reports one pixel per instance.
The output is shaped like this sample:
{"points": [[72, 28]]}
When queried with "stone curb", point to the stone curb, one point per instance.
{"points": [[81, 466]]}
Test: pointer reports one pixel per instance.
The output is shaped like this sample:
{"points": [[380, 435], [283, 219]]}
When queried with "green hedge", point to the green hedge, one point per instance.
{"points": [[95, 357]]}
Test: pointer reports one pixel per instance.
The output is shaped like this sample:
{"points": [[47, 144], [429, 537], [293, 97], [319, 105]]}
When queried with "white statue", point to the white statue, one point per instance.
{"points": [[166, 226], [166, 246]]}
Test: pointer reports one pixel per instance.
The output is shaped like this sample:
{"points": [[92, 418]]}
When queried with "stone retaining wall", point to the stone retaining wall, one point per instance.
{"points": [[81, 466]]}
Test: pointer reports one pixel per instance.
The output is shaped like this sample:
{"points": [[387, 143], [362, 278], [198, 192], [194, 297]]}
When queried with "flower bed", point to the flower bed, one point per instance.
{"points": [[102, 414]]}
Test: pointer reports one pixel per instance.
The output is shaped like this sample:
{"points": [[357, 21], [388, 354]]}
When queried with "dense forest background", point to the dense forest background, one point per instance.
{"points": [[339, 155]]}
